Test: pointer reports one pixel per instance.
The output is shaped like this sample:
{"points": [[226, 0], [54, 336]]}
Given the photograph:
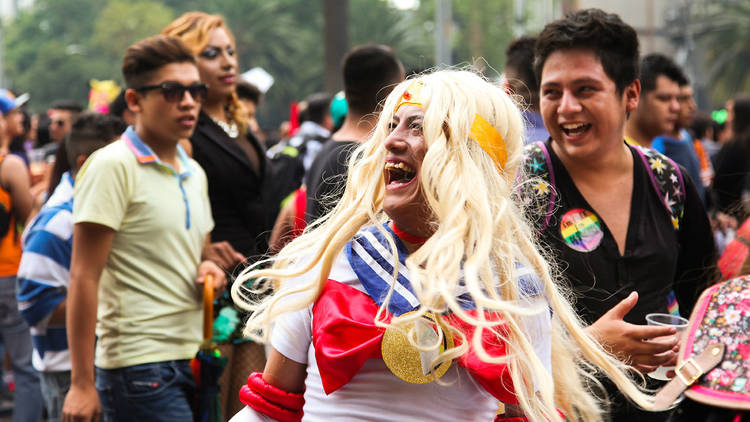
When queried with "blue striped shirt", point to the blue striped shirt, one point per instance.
{"points": [[43, 277]]}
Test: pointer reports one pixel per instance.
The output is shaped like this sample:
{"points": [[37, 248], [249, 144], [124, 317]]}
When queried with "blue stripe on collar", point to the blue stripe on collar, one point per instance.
{"points": [[372, 260], [187, 169], [529, 283], [144, 154]]}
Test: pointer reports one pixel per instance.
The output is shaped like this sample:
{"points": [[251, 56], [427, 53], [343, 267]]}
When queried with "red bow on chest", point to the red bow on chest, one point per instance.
{"points": [[345, 336]]}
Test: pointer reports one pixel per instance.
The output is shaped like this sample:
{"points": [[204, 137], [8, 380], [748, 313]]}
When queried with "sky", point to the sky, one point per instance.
{"points": [[404, 4]]}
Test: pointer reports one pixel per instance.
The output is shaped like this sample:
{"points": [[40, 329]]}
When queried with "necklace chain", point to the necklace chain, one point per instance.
{"points": [[231, 129]]}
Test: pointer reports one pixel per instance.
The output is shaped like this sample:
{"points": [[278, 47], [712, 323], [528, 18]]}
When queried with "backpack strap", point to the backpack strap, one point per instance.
{"points": [[667, 180], [539, 192], [665, 175]]}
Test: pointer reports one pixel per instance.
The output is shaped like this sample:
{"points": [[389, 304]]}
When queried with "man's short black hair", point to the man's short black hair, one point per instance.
{"points": [[519, 69], [613, 41], [68, 105], [248, 91], [145, 57], [656, 64], [317, 107], [702, 122], [370, 73], [91, 131]]}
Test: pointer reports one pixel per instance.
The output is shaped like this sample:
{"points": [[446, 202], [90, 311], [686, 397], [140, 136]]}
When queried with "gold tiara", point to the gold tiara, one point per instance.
{"points": [[412, 95], [481, 132]]}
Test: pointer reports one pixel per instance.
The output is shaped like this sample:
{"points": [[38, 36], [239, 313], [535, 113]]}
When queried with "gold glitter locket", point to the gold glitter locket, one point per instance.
{"points": [[406, 361]]}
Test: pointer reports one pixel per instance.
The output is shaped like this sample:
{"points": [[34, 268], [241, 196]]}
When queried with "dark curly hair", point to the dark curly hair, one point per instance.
{"points": [[613, 41]]}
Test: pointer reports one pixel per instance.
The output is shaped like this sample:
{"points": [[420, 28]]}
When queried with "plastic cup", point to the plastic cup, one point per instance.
{"points": [[37, 164], [665, 320]]}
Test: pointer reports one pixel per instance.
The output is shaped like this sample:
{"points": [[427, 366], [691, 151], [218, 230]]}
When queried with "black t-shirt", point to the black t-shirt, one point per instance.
{"points": [[732, 166], [326, 178], [657, 258]]}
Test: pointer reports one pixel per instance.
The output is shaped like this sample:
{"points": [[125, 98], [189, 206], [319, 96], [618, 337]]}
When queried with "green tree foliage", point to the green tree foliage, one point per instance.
{"points": [[284, 38], [722, 34], [46, 52], [123, 22], [376, 22], [484, 28], [481, 30], [54, 48]]}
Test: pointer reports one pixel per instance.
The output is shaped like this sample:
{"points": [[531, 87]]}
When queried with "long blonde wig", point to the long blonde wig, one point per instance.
{"points": [[194, 29], [480, 234]]}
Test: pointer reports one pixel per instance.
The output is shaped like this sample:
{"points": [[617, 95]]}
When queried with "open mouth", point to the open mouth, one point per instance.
{"points": [[575, 129], [187, 121], [398, 174]]}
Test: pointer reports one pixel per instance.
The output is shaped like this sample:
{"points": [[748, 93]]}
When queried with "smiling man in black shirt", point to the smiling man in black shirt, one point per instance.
{"points": [[623, 240]]}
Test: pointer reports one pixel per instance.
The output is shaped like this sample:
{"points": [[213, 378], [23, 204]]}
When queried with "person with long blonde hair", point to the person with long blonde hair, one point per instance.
{"points": [[422, 295], [239, 176]]}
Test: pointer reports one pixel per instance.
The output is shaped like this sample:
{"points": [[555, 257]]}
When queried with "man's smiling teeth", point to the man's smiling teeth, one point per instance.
{"points": [[573, 129], [399, 166]]}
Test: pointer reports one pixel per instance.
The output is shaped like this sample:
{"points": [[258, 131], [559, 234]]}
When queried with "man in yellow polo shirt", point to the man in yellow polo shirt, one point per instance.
{"points": [[142, 221]]}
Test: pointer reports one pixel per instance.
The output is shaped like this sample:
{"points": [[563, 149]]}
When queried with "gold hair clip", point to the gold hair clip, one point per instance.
{"points": [[412, 95], [489, 139]]}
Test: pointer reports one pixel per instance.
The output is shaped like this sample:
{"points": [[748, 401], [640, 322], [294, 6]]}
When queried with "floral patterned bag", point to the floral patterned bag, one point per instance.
{"points": [[721, 317]]}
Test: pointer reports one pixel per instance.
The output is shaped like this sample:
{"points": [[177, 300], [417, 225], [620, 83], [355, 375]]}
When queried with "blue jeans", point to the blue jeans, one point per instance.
{"points": [[55, 386], [28, 405], [159, 391]]}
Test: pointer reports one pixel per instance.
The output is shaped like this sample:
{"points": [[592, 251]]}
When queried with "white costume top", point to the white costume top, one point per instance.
{"points": [[374, 393]]}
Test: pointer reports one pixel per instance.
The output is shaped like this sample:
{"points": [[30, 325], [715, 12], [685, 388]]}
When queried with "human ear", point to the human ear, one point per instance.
{"points": [[133, 100], [632, 95]]}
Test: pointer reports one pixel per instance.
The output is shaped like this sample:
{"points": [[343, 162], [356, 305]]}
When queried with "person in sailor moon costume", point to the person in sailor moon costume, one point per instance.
{"points": [[422, 295]]}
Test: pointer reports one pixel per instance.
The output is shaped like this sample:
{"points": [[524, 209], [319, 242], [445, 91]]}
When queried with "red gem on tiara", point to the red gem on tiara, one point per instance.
{"points": [[407, 96]]}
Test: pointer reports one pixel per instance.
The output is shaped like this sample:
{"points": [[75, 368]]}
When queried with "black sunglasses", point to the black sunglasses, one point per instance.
{"points": [[173, 92]]}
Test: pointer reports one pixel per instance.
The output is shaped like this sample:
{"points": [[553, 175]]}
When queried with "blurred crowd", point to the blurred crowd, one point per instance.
{"points": [[111, 223]]}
